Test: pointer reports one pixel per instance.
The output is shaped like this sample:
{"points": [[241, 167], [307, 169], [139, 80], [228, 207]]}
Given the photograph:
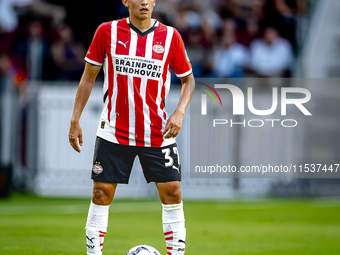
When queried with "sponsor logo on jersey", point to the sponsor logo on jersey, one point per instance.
{"points": [[158, 48], [97, 169], [139, 67]]}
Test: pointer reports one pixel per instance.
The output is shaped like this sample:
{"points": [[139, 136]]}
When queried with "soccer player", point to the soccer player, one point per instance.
{"points": [[136, 54]]}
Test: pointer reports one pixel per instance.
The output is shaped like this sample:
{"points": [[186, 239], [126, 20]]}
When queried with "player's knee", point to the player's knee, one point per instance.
{"points": [[101, 196], [174, 196], [177, 194]]}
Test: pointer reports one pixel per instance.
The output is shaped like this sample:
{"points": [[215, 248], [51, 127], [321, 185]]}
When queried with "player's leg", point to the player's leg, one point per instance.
{"points": [[98, 215], [172, 217], [112, 164], [162, 166]]}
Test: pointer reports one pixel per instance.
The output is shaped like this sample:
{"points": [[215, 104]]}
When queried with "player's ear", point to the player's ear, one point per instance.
{"points": [[154, 2], [126, 3]]}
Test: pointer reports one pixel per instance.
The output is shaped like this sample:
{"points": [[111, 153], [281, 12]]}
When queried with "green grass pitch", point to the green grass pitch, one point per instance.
{"points": [[33, 225]]}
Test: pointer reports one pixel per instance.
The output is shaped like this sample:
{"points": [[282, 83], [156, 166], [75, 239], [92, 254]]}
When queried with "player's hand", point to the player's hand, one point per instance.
{"points": [[173, 125], [75, 135]]}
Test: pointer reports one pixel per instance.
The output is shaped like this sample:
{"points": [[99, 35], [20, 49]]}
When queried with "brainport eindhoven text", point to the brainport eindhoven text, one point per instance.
{"points": [[139, 67], [239, 107]]}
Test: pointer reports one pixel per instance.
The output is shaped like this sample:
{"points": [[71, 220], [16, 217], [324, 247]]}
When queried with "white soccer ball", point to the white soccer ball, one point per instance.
{"points": [[143, 250]]}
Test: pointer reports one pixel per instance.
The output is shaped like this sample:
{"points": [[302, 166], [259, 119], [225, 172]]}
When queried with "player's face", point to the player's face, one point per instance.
{"points": [[140, 9]]}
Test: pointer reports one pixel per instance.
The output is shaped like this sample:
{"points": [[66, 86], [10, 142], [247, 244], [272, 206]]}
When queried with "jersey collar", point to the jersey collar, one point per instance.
{"points": [[150, 30]]}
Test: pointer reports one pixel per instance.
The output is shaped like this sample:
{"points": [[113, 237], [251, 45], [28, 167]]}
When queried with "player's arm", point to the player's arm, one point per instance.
{"points": [[83, 93], [174, 122]]}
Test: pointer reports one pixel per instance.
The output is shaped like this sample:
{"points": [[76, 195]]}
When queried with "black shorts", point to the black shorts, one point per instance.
{"points": [[112, 163]]}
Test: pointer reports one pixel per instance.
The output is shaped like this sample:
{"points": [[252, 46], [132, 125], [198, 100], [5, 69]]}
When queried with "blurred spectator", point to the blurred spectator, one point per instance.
{"points": [[10, 10], [230, 58], [68, 54], [14, 14], [97, 13], [250, 33], [196, 50], [166, 11], [229, 27], [205, 25], [244, 10], [272, 55], [187, 18], [290, 8], [8, 17], [34, 53], [284, 14], [212, 18], [9, 70]]}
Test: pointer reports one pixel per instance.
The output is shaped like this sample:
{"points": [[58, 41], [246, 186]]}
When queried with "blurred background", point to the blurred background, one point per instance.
{"points": [[42, 47]]}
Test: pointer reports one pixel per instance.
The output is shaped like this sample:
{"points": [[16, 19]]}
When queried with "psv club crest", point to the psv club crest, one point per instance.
{"points": [[97, 169], [158, 48]]}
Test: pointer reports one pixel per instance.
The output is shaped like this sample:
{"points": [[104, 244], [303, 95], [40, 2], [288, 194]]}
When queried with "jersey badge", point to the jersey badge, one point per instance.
{"points": [[158, 48]]}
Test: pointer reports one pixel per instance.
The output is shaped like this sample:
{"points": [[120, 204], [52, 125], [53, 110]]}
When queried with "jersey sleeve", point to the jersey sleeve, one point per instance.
{"points": [[179, 61], [97, 50]]}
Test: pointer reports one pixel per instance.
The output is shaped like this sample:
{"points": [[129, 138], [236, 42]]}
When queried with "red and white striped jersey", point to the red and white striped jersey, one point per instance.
{"points": [[137, 79]]}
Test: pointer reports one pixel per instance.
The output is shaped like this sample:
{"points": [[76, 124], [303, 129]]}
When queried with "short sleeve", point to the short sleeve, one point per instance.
{"points": [[179, 61], [97, 50]]}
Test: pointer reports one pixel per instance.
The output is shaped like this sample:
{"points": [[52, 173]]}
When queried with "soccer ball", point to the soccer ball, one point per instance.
{"points": [[143, 250]]}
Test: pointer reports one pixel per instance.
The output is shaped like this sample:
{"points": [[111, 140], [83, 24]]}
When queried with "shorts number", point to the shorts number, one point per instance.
{"points": [[176, 152], [169, 158]]}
